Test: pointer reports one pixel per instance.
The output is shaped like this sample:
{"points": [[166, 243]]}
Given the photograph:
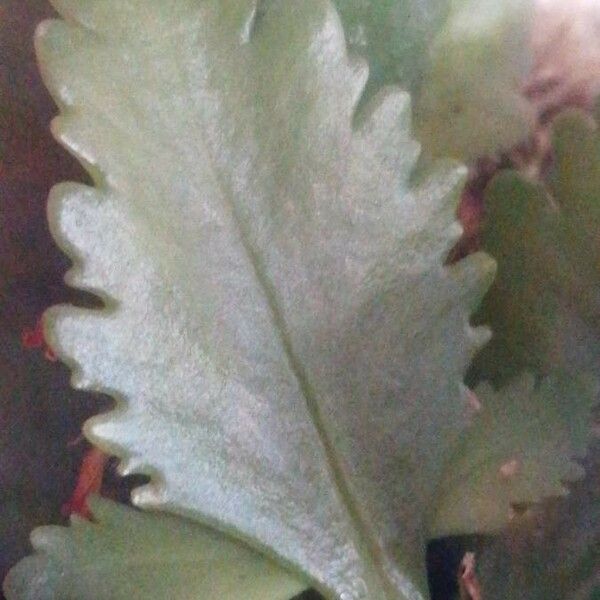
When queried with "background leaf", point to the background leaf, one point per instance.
{"points": [[471, 103], [127, 554], [553, 552], [520, 450], [464, 61], [544, 310], [544, 305]]}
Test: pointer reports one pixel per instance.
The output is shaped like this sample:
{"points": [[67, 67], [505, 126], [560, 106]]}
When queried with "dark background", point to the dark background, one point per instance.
{"points": [[40, 415]]}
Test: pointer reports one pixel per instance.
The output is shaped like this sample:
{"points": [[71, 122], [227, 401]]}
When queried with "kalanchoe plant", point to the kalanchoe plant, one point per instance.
{"points": [[281, 332]]}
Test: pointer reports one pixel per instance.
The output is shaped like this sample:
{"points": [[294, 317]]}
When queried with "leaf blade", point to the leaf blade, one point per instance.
{"points": [[309, 270]]}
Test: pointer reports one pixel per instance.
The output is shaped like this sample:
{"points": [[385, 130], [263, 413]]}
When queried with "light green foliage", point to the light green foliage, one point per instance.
{"points": [[471, 103], [544, 306], [465, 62], [520, 450], [285, 343], [131, 555]]}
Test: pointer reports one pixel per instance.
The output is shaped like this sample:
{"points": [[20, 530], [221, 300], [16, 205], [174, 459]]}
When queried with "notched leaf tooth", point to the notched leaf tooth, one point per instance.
{"points": [[130, 465], [360, 69], [436, 194], [77, 135], [70, 331], [50, 49], [474, 275], [62, 49], [477, 338], [383, 126], [82, 220], [106, 431], [151, 495]]}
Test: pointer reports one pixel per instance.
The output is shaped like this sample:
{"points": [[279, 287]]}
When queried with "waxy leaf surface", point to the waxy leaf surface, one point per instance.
{"points": [[284, 341]]}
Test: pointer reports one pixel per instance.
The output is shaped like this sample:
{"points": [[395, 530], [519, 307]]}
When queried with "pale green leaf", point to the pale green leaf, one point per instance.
{"points": [[520, 450], [552, 553], [544, 306], [128, 555], [471, 103], [285, 342]]}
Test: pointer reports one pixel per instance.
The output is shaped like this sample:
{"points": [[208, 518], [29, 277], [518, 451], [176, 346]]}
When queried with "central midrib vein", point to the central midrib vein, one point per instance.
{"points": [[366, 542], [369, 549]]}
